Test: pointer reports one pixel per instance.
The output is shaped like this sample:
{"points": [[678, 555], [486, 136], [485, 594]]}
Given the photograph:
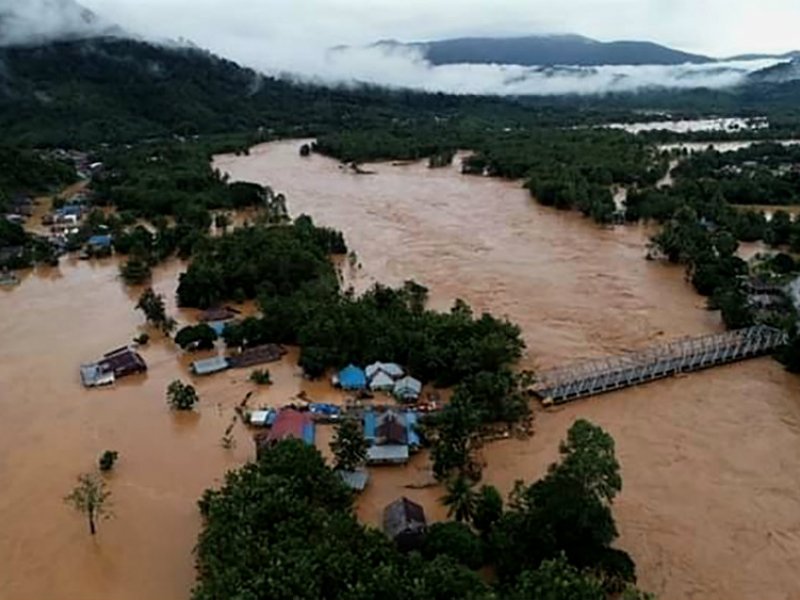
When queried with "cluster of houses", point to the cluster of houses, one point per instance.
{"points": [[19, 208], [391, 433], [112, 366], [380, 377]]}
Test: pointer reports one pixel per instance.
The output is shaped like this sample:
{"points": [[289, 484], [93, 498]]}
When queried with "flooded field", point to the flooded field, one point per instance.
{"points": [[727, 124], [710, 462]]}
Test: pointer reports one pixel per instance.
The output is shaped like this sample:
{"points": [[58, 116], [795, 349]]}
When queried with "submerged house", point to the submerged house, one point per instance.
{"points": [[289, 423], [352, 378], [210, 366], [382, 376], [221, 313], [408, 389], [404, 522], [381, 382], [256, 356], [355, 480], [114, 365], [393, 370], [389, 435]]}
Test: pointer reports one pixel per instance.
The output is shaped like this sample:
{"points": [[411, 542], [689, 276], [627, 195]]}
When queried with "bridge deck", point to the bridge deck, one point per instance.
{"points": [[680, 356]]}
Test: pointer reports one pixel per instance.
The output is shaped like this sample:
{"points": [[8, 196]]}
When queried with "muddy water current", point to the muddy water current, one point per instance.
{"points": [[710, 462]]}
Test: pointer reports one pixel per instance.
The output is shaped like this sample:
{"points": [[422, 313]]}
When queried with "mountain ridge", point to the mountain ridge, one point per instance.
{"points": [[548, 50]]}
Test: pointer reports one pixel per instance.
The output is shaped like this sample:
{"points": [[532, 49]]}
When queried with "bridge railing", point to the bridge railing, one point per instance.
{"points": [[678, 356]]}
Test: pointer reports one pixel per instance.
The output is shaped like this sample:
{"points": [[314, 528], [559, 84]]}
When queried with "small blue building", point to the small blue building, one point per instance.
{"points": [[352, 378], [100, 241]]}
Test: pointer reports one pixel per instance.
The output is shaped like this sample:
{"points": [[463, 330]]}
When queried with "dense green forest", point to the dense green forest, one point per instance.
{"points": [[767, 173], [284, 527], [288, 258], [26, 172], [334, 329], [81, 93]]}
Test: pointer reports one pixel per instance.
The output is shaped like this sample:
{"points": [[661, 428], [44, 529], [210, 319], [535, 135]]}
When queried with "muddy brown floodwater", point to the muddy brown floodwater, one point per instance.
{"points": [[711, 462]]}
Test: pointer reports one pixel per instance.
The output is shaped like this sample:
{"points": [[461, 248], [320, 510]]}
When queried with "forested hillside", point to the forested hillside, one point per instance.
{"points": [[79, 93]]}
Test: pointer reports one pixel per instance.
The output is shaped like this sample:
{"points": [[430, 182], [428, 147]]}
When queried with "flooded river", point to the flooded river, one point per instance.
{"points": [[710, 462]]}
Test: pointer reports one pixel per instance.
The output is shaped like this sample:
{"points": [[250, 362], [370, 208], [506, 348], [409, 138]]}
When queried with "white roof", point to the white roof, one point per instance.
{"points": [[210, 365], [408, 386], [259, 418], [92, 375], [390, 453], [381, 381], [391, 369]]}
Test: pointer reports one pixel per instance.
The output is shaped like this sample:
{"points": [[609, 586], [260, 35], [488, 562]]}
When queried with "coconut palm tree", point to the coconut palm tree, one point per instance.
{"points": [[460, 498]]}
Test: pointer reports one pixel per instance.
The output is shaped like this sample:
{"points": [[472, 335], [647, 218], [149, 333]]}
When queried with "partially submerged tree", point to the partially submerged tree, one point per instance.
{"points": [[135, 271], [152, 305], [91, 498], [567, 511], [488, 509], [456, 437], [261, 377], [107, 460], [196, 337], [349, 445], [460, 499], [181, 396]]}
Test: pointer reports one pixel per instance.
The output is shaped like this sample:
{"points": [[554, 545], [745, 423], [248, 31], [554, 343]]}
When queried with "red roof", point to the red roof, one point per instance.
{"points": [[289, 423]]}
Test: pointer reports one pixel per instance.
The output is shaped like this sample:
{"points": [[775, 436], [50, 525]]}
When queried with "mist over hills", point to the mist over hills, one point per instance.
{"points": [[31, 22], [548, 50], [72, 78]]}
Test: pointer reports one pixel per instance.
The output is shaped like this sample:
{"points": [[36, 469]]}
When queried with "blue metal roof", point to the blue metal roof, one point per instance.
{"points": [[352, 378], [308, 433], [411, 423], [369, 426], [100, 240], [321, 408], [217, 326], [69, 209]]}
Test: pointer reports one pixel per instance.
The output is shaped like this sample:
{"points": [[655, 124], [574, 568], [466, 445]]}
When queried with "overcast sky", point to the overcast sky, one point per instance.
{"points": [[235, 27]]}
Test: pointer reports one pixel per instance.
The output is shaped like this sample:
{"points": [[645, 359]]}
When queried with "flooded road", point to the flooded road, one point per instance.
{"points": [[711, 462]]}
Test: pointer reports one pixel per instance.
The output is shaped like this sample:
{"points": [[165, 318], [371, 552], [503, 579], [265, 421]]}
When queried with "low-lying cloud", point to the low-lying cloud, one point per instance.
{"points": [[288, 51], [406, 67], [35, 21]]}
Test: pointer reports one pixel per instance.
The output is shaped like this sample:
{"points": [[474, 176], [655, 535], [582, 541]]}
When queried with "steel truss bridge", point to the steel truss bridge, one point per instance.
{"points": [[656, 362]]}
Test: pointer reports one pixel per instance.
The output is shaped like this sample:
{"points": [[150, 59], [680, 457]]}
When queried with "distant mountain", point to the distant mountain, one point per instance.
{"points": [[547, 50], [780, 73], [30, 22], [786, 56]]}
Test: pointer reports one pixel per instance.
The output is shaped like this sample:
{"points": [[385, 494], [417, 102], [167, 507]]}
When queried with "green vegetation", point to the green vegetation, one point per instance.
{"points": [[27, 172], [196, 337], [349, 446], [387, 324], [460, 499], [24, 173], [568, 511], [767, 173], [288, 258], [152, 305], [107, 460], [90, 498], [284, 527], [261, 377], [454, 540], [181, 396]]}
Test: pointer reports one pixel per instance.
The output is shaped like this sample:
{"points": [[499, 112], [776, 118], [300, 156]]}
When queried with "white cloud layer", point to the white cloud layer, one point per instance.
{"points": [[407, 68], [295, 36]]}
